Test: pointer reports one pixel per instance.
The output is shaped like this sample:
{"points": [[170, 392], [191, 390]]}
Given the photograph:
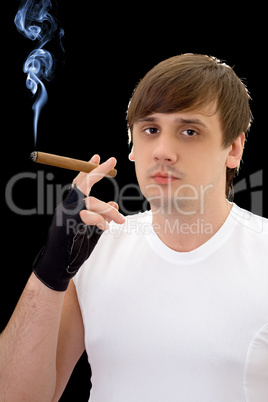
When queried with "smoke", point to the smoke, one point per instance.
{"points": [[34, 21]]}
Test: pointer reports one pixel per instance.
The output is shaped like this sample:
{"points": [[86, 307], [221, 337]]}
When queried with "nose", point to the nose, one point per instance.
{"points": [[165, 151]]}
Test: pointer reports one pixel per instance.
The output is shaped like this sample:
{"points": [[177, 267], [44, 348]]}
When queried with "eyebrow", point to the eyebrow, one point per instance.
{"points": [[177, 120]]}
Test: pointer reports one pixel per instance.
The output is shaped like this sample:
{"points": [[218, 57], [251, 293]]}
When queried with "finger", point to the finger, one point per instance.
{"points": [[114, 205], [86, 182], [92, 218], [95, 159], [108, 211]]}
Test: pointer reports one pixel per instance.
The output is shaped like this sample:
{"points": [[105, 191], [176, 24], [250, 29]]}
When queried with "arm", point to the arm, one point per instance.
{"points": [[71, 340], [52, 339], [28, 345], [41, 343]]}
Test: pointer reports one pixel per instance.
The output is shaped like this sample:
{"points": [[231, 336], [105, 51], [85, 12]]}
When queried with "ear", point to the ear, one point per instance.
{"points": [[235, 152], [131, 156]]}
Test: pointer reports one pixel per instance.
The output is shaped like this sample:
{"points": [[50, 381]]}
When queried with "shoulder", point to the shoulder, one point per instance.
{"points": [[249, 222], [251, 235]]}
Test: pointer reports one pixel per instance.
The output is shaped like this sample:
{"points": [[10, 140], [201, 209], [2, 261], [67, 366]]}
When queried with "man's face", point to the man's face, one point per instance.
{"points": [[179, 159]]}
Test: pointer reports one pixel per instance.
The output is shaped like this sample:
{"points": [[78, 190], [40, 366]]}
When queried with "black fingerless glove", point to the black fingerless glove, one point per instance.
{"points": [[69, 243]]}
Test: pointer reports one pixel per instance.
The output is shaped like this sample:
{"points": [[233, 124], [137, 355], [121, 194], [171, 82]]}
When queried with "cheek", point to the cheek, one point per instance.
{"points": [[196, 162], [214, 169], [140, 169], [205, 167]]}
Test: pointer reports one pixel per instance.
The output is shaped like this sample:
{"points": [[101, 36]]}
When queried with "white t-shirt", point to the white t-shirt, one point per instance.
{"points": [[167, 326]]}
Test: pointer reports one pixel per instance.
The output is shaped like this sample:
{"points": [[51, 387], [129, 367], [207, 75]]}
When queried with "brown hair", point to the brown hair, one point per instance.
{"points": [[192, 81]]}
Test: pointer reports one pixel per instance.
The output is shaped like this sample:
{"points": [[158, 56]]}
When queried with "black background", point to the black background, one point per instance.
{"points": [[108, 49]]}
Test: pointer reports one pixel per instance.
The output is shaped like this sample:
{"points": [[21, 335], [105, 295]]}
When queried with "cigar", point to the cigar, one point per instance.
{"points": [[67, 163]]}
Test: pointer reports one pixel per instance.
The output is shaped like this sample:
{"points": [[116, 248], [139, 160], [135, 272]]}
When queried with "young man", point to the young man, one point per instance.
{"points": [[172, 303]]}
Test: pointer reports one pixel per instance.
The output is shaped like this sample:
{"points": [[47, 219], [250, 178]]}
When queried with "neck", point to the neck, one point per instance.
{"points": [[186, 231]]}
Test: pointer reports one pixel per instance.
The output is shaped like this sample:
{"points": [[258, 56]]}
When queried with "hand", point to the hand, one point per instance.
{"points": [[97, 212], [73, 233]]}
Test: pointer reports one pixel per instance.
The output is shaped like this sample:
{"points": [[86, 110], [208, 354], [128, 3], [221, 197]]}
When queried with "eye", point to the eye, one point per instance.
{"points": [[151, 130], [189, 133]]}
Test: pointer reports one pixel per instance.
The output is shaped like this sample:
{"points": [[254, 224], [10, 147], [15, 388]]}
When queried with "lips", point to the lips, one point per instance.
{"points": [[164, 177]]}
